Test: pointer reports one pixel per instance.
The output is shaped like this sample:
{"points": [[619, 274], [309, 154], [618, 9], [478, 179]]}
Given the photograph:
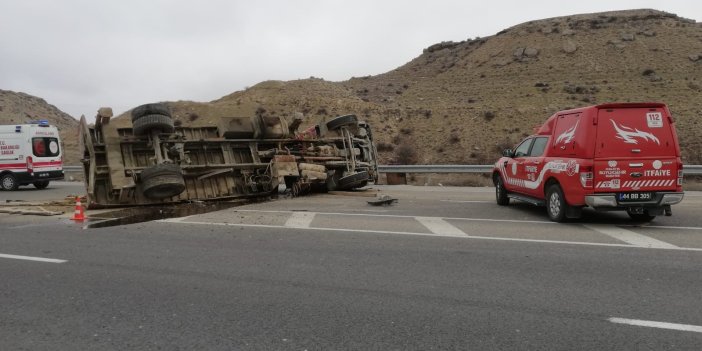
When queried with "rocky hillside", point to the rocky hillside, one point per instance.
{"points": [[18, 108], [462, 102]]}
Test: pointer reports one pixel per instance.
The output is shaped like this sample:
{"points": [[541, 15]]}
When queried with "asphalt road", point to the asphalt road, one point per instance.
{"points": [[444, 269], [57, 190]]}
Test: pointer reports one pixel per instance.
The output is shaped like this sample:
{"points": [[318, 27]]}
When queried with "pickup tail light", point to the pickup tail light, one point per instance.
{"points": [[680, 173], [586, 177]]}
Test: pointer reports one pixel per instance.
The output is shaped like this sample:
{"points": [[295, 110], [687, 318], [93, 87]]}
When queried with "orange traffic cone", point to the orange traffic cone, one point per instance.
{"points": [[79, 214]]}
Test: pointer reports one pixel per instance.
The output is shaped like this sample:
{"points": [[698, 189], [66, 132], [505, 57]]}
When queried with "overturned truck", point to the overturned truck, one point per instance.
{"points": [[155, 162]]}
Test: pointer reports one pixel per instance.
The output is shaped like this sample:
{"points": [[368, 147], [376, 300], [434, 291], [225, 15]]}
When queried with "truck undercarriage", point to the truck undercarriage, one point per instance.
{"points": [[156, 162]]}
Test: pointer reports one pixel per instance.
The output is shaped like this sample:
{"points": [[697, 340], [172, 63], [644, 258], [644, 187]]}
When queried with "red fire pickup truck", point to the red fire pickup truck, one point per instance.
{"points": [[620, 156]]}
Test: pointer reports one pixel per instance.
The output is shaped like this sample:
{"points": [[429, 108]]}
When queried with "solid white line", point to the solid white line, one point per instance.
{"points": [[30, 258], [300, 220], [662, 226], [439, 226], [653, 324], [429, 234], [468, 201], [630, 237]]}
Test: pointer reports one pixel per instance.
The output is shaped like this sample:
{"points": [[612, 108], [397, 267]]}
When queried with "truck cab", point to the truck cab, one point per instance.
{"points": [[620, 156]]}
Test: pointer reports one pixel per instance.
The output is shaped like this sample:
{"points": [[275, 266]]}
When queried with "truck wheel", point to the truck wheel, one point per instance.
{"points": [[162, 181], [9, 182], [356, 180], [148, 123], [332, 182], [555, 204], [341, 121], [41, 184], [150, 109], [501, 192], [640, 217]]}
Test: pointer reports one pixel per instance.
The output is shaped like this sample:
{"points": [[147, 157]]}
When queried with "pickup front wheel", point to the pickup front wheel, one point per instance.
{"points": [[501, 192]]}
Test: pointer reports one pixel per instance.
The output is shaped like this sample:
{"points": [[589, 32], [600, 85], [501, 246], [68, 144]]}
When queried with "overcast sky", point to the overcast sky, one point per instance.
{"points": [[83, 54]]}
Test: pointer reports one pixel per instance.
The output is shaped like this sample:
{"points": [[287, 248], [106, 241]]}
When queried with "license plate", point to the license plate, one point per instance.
{"points": [[633, 197]]}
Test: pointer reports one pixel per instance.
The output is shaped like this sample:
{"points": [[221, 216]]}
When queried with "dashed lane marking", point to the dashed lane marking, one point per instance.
{"points": [[30, 258], [630, 237], [654, 324], [406, 216], [440, 227], [300, 220]]}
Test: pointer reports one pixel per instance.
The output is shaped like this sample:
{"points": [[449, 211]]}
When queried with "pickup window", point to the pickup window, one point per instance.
{"points": [[523, 148]]}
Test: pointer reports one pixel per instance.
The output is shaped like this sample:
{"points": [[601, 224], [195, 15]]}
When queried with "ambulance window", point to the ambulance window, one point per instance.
{"points": [[45, 147], [539, 147], [523, 148]]}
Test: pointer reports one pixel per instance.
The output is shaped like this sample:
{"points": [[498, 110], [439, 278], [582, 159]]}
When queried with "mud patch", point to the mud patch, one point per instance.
{"points": [[134, 215]]}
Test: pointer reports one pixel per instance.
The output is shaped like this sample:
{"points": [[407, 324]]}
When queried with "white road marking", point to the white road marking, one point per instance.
{"points": [[630, 237], [439, 226], [662, 226], [171, 220], [468, 201], [300, 220], [405, 216], [30, 258], [654, 324]]}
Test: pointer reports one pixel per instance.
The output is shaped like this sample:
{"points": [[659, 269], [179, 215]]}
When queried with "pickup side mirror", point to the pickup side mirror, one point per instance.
{"points": [[508, 153]]}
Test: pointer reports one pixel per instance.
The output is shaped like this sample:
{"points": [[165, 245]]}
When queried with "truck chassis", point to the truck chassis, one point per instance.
{"points": [[157, 162]]}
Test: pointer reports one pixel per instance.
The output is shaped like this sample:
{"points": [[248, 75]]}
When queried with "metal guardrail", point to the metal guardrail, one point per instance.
{"points": [[688, 169]]}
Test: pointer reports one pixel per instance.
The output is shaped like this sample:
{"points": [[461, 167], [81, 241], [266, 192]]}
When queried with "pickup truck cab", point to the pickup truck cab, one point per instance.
{"points": [[619, 156]]}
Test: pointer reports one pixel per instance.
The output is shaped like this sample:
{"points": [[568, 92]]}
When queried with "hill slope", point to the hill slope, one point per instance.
{"points": [[19, 108]]}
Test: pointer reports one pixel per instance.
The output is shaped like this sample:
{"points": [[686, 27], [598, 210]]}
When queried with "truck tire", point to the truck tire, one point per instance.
{"points": [[338, 122], [501, 192], [8, 182], [640, 217], [555, 204], [150, 109], [41, 184], [356, 180], [145, 124], [162, 181]]}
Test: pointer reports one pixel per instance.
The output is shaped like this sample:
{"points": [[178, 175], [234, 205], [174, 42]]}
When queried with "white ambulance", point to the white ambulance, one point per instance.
{"points": [[29, 154]]}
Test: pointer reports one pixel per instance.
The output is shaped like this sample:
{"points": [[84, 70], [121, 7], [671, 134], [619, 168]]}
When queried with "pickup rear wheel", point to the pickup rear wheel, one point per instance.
{"points": [[640, 217], [501, 192], [555, 203], [162, 181]]}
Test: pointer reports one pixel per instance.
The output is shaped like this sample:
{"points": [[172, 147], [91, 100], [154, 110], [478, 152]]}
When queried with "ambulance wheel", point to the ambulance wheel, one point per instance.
{"points": [[640, 217], [341, 121], [162, 181], [555, 204], [148, 123], [501, 192], [9, 182], [41, 184], [150, 109]]}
